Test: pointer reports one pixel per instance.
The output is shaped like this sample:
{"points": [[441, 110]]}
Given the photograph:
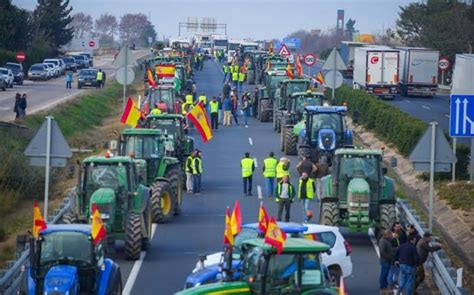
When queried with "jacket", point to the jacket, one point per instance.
{"points": [[424, 249], [227, 105], [407, 254], [387, 253], [291, 192]]}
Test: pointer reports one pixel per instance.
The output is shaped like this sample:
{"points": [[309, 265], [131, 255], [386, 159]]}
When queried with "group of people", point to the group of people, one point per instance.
{"points": [[402, 258], [100, 78], [235, 74], [194, 172], [284, 192], [20, 107]]}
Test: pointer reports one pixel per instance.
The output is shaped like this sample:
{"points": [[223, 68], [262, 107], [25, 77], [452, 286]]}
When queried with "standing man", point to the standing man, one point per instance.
{"points": [[387, 257], [306, 190], [248, 167], [269, 172], [225, 70], [306, 166], [227, 107], [202, 98], [241, 79], [189, 171], [235, 105], [104, 79], [424, 249], [246, 109], [99, 79], [235, 78], [255, 103], [197, 172], [68, 79], [283, 168], [226, 89], [407, 259], [284, 195], [219, 114], [214, 113]]}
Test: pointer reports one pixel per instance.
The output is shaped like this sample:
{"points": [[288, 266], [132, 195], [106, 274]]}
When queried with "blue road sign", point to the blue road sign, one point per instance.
{"points": [[292, 43], [276, 46], [461, 120]]}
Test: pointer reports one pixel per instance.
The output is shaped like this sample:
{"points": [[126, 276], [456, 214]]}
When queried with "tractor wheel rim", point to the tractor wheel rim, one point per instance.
{"points": [[166, 203]]}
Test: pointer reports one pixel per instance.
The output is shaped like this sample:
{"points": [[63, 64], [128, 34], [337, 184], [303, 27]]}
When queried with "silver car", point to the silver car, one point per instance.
{"points": [[53, 71], [38, 72], [58, 64]]}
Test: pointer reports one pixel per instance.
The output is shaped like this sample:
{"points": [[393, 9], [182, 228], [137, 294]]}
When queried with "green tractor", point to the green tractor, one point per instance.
{"points": [[292, 113], [163, 173], [282, 95], [266, 97], [358, 194], [164, 93], [114, 184], [297, 270]]}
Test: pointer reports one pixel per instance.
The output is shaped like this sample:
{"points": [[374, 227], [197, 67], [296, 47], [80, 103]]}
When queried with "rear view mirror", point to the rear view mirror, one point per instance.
{"points": [[384, 170], [393, 162]]}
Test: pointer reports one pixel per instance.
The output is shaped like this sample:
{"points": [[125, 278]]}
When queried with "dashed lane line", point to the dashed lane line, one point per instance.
{"points": [[250, 141], [426, 108], [374, 242], [259, 192], [255, 162]]}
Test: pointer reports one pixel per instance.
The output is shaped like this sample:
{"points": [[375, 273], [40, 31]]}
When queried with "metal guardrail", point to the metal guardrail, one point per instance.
{"points": [[11, 278], [443, 274]]}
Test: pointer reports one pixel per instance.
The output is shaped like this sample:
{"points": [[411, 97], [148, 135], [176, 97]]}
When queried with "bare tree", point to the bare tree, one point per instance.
{"points": [[106, 25], [82, 24], [131, 27]]}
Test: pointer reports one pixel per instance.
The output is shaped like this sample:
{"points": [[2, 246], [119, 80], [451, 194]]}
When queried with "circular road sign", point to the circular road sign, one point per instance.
{"points": [[123, 72], [331, 82], [443, 64], [309, 59], [91, 43], [20, 56], [374, 59]]}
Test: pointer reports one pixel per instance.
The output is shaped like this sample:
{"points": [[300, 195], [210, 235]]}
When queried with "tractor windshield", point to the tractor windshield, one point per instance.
{"points": [[106, 176], [65, 248], [244, 235], [293, 87], [168, 126], [275, 82], [327, 121], [143, 147], [355, 166], [303, 101]]}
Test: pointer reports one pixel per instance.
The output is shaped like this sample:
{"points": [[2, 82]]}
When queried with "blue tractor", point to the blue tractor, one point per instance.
{"points": [[64, 260], [322, 132]]}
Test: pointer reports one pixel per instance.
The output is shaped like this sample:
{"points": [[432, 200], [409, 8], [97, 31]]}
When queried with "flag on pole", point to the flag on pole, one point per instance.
{"points": [[275, 236], [320, 78], [270, 48], [97, 228], [38, 222], [198, 116], [131, 113], [299, 67], [228, 236], [262, 218], [236, 219], [289, 72], [151, 78]]}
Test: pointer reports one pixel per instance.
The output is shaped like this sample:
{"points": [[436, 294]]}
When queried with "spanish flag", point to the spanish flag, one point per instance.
{"points": [[236, 219], [97, 228], [198, 116], [262, 219], [275, 236], [289, 72], [131, 113], [299, 67], [165, 70], [228, 236], [151, 78], [320, 78], [38, 222], [270, 48]]}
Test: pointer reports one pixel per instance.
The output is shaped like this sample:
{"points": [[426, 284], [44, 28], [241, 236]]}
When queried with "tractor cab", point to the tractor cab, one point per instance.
{"points": [[271, 81], [298, 101], [163, 96], [64, 260]]}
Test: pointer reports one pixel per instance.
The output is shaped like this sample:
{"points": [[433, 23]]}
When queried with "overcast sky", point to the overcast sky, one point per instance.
{"points": [[257, 19]]}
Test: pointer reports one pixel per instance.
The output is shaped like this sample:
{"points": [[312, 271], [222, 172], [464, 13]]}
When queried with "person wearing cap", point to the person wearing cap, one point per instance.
{"points": [[284, 195], [407, 259], [214, 106], [423, 249], [248, 167], [283, 168], [269, 172]]}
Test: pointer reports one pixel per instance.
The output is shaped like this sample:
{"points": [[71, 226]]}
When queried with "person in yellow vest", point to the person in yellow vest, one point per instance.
{"points": [[248, 166], [306, 192], [284, 195], [236, 68], [225, 70], [214, 106], [269, 173], [241, 79], [235, 79], [202, 98], [283, 168], [189, 171], [156, 110], [99, 79], [197, 172]]}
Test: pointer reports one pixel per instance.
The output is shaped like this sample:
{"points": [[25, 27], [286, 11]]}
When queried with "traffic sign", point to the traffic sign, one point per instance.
{"points": [[443, 64], [461, 119], [91, 43], [334, 62], [309, 59], [125, 77], [284, 51], [20, 56], [125, 57], [294, 43], [333, 79]]}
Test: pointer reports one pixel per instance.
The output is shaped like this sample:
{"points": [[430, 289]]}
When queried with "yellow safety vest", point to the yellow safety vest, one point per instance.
{"points": [[270, 167], [203, 99], [225, 68], [155, 111], [241, 77], [214, 106], [309, 189], [189, 158], [246, 164], [100, 76], [280, 172], [235, 76], [236, 68], [195, 169], [291, 193], [184, 106], [189, 98]]}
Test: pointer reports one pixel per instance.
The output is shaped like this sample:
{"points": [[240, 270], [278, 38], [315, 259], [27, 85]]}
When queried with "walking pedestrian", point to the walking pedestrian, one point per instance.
{"points": [[306, 166], [407, 258], [387, 258], [225, 71], [306, 190], [269, 172], [246, 109], [226, 89], [220, 112], [284, 194], [214, 105], [189, 171], [197, 172], [235, 77], [202, 98], [283, 168], [248, 167], [22, 104], [227, 107], [16, 105], [398, 238], [68, 79], [99, 78], [235, 106], [241, 79], [423, 249]]}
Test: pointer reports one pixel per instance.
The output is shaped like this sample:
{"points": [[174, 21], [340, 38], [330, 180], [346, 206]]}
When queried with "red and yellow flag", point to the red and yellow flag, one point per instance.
{"points": [[342, 287], [299, 67], [165, 70], [228, 236], [236, 219], [262, 219], [270, 48], [198, 116], [275, 236], [131, 113], [151, 78], [320, 78], [289, 72], [97, 228], [38, 222]]}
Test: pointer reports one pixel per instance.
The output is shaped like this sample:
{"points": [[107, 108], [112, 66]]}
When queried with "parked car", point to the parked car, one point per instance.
{"points": [[57, 64], [17, 70], [87, 77], [55, 69], [90, 57], [81, 61], [7, 75], [70, 63], [39, 72], [3, 84]]}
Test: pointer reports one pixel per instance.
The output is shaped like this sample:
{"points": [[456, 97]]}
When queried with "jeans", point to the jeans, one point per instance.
{"points": [[247, 185], [286, 204], [393, 274], [189, 181], [68, 84], [219, 117], [246, 116], [236, 84], [305, 207], [225, 78], [240, 86], [214, 121], [234, 114], [270, 185], [384, 269], [196, 183], [407, 279]]}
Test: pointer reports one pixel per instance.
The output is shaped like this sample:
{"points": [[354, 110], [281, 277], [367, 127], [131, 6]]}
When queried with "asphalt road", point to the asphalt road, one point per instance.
{"points": [[46, 94], [199, 230]]}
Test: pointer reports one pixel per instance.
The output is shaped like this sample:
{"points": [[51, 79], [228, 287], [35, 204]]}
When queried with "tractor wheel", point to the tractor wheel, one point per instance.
{"points": [[274, 120], [162, 204], [290, 142], [68, 218], [278, 122], [133, 238], [264, 112], [329, 214], [148, 218], [282, 140], [174, 175], [388, 216]]}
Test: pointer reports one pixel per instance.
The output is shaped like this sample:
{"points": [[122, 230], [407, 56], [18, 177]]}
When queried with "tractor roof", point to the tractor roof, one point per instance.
{"points": [[287, 227], [357, 151], [305, 93], [108, 160], [326, 109], [141, 131], [296, 80], [165, 116], [292, 245], [274, 72], [81, 228]]}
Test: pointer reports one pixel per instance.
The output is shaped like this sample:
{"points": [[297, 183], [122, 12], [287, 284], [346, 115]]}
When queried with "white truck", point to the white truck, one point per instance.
{"points": [[376, 70], [347, 53], [418, 71], [463, 74]]}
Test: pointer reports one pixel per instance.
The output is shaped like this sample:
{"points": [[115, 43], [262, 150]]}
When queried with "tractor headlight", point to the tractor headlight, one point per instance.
{"points": [[197, 284], [104, 216]]}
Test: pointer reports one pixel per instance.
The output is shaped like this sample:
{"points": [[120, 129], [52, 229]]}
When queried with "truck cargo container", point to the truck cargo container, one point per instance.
{"points": [[418, 71]]}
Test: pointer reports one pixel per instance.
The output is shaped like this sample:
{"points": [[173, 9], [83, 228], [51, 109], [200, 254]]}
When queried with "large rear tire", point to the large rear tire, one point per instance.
{"points": [[133, 238], [291, 141], [162, 204], [148, 218], [264, 110], [175, 178], [330, 214], [388, 216], [282, 140]]}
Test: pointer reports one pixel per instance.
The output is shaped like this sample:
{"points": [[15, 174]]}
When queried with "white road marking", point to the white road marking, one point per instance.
{"points": [[259, 192], [447, 116], [255, 162], [425, 107], [407, 100], [250, 141], [374, 242], [136, 267]]}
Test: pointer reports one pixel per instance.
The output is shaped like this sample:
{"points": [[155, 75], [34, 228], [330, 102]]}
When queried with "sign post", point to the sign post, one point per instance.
{"points": [[334, 64], [309, 60], [124, 59], [443, 65]]}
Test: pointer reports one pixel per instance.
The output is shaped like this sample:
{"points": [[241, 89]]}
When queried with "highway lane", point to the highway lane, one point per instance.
{"points": [[199, 230]]}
